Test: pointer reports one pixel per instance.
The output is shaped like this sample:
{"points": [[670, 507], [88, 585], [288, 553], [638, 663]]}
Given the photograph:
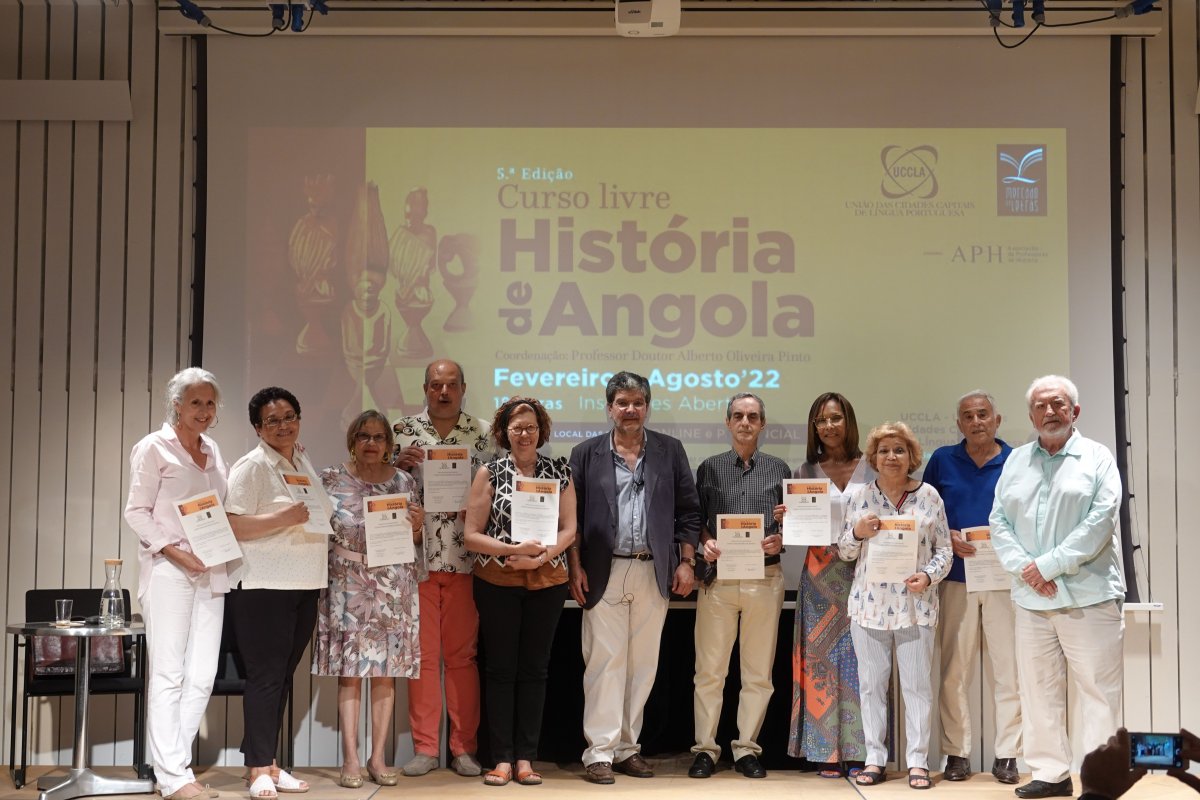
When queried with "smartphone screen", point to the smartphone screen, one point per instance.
{"points": [[1155, 750]]}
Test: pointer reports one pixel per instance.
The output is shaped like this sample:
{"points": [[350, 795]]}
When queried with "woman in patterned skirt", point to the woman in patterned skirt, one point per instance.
{"points": [[367, 616], [826, 721]]}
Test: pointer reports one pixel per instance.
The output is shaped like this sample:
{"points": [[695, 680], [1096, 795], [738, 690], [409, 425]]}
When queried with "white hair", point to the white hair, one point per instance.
{"points": [[179, 384], [971, 395], [1052, 382]]}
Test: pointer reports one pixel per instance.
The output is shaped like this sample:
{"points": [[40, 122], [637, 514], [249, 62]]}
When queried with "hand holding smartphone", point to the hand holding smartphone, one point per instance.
{"points": [[1156, 751]]}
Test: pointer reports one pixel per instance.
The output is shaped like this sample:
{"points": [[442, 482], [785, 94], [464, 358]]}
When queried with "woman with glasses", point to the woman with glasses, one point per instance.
{"points": [[826, 721], [520, 588], [897, 618], [274, 603], [367, 616]]}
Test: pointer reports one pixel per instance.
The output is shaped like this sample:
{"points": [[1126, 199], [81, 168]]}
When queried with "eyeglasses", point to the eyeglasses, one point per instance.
{"points": [[527, 430], [271, 423], [826, 422], [373, 438]]}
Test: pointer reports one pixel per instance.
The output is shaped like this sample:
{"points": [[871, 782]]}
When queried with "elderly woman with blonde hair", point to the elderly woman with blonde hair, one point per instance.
{"points": [[899, 616]]}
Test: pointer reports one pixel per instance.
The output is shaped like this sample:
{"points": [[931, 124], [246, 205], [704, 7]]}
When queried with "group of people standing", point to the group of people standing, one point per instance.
{"points": [[633, 522]]}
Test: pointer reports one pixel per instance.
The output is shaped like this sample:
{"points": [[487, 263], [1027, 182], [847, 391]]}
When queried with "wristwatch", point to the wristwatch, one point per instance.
{"points": [[689, 560]]}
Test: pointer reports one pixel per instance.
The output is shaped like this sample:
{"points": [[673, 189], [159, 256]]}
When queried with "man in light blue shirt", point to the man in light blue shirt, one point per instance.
{"points": [[1054, 528]]}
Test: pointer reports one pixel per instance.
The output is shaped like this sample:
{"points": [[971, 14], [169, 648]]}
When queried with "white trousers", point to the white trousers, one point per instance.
{"points": [[914, 658], [183, 633], [621, 635], [756, 603], [1089, 643], [961, 615]]}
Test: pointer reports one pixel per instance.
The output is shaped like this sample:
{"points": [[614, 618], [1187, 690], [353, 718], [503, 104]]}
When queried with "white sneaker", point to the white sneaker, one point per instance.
{"points": [[465, 764], [420, 765]]}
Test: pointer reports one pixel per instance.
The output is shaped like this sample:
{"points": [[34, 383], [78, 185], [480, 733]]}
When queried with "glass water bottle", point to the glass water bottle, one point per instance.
{"points": [[112, 599]]}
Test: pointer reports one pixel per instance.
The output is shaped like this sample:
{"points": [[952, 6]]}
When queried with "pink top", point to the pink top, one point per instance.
{"points": [[160, 473]]}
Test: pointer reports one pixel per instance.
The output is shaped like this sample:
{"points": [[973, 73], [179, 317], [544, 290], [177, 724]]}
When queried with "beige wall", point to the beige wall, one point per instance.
{"points": [[95, 266]]}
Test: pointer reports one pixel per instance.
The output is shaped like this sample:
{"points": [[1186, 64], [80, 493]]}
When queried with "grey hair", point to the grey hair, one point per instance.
{"points": [[972, 395], [625, 381], [1051, 381], [762, 407], [182, 381]]}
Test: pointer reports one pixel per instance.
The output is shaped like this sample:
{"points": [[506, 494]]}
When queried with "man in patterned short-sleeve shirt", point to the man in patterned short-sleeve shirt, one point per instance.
{"points": [[449, 621]]}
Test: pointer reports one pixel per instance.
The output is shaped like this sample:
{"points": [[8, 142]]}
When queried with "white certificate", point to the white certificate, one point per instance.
{"points": [[740, 538], [808, 519], [389, 531], [983, 570], [892, 553], [446, 478], [207, 529], [302, 487], [535, 510]]}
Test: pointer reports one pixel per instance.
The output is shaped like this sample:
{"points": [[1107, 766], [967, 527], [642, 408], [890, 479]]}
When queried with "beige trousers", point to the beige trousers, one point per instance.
{"points": [[755, 605], [961, 616]]}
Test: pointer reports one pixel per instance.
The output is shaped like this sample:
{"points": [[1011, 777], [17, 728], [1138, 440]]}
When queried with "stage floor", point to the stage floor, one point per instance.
{"points": [[672, 782]]}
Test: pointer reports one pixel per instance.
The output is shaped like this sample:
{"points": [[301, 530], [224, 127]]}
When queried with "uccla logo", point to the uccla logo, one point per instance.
{"points": [[909, 172], [1035, 156]]}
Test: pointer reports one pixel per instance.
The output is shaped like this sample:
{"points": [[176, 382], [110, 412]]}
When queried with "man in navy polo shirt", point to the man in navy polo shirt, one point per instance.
{"points": [[965, 476]]}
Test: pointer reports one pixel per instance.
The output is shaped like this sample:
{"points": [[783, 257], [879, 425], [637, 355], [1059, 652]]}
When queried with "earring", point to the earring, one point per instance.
{"points": [[386, 459], [353, 457], [215, 421]]}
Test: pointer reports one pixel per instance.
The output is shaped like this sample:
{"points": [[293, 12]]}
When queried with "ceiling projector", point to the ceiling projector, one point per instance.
{"points": [[641, 18]]}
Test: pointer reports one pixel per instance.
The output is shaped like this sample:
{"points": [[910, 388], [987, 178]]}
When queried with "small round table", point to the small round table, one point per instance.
{"points": [[79, 780]]}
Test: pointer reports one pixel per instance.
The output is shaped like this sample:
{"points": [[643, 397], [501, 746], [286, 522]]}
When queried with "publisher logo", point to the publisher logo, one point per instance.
{"points": [[909, 172], [1021, 180]]}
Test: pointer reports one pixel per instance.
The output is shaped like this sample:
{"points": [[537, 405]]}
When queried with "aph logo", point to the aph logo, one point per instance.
{"points": [[1021, 180], [909, 172]]}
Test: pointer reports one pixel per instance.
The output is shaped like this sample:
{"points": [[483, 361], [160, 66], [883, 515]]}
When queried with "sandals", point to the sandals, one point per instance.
{"points": [[869, 778], [497, 777], [529, 778], [918, 778], [287, 784], [830, 772], [263, 788], [189, 791]]}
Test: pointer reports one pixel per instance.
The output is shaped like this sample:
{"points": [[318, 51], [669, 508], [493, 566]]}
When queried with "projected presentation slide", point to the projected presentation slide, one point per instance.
{"points": [[892, 265]]}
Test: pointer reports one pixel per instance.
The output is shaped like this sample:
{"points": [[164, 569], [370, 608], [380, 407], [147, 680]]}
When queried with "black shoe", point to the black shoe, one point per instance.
{"points": [[1005, 770], [702, 767], [748, 765], [1043, 789], [957, 768]]}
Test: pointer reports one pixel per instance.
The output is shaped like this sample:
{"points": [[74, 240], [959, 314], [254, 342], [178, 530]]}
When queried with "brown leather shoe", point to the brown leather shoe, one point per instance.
{"points": [[599, 772], [635, 767]]}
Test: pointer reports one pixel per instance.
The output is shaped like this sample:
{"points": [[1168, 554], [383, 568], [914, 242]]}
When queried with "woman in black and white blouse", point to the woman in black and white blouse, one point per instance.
{"points": [[519, 588]]}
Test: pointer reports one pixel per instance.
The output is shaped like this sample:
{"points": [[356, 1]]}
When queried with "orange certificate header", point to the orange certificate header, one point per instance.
{"points": [[807, 488], [199, 504], [978, 535], [741, 523], [388, 504], [537, 488], [453, 454], [296, 479], [897, 524]]}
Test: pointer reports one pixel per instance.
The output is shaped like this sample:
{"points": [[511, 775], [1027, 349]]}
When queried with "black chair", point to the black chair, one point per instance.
{"points": [[231, 681], [127, 677]]}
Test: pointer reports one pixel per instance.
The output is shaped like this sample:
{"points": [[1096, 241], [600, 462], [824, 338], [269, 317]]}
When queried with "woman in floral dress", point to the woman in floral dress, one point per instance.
{"points": [[367, 617]]}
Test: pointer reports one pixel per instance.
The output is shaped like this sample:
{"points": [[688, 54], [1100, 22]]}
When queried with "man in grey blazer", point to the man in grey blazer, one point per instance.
{"points": [[639, 521]]}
